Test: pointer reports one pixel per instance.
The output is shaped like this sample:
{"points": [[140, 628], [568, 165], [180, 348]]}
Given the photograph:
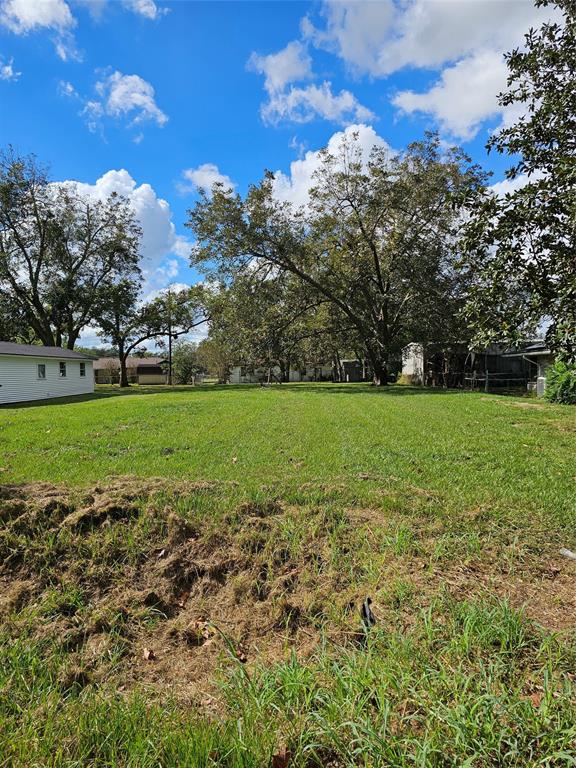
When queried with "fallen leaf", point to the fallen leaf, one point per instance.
{"points": [[536, 699], [149, 654], [234, 459], [241, 654], [281, 759]]}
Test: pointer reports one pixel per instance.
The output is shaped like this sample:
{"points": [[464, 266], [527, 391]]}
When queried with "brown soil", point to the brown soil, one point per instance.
{"points": [[191, 597]]}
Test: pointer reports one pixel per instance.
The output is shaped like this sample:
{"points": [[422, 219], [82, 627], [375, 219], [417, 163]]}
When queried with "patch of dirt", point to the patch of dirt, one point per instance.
{"points": [[194, 596], [141, 595]]}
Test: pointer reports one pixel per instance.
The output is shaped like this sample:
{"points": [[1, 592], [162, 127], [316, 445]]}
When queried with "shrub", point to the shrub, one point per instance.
{"points": [[561, 383]]}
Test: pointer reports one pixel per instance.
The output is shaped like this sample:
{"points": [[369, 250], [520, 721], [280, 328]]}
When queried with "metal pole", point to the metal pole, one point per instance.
{"points": [[169, 337]]}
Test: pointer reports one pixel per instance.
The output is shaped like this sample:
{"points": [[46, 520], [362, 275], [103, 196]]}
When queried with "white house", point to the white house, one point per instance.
{"points": [[241, 374], [30, 372]]}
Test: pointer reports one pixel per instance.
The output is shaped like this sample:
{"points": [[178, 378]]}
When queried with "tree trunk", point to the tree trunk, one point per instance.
{"points": [[123, 371], [379, 371]]}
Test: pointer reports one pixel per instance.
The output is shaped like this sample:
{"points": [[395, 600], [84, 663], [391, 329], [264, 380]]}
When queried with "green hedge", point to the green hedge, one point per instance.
{"points": [[561, 384]]}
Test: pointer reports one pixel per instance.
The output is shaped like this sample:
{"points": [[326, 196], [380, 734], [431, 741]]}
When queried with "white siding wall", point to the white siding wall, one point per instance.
{"points": [[19, 378]]}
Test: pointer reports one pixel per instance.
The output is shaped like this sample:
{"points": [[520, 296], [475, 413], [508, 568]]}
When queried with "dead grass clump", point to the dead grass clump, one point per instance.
{"points": [[125, 582]]}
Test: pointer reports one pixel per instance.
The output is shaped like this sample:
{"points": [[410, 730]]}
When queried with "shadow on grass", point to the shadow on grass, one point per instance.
{"points": [[99, 394], [317, 388]]}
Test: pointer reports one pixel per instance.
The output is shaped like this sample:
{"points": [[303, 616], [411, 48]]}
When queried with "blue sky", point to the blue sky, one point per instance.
{"points": [[153, 98]]}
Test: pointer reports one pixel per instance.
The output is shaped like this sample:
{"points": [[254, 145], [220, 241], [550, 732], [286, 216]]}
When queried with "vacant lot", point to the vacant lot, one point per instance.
{"points": [[181, 575]]}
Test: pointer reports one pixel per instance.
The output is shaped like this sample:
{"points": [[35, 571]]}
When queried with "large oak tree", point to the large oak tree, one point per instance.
{"points": [[60, 250], [378, 239]]}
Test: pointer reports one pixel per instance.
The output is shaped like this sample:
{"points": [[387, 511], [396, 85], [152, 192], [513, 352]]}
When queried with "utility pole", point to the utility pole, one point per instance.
{"points": [[169, 336]]}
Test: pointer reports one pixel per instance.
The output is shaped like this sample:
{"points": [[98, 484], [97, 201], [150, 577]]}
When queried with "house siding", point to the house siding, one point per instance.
{"points": [[19, 380]]}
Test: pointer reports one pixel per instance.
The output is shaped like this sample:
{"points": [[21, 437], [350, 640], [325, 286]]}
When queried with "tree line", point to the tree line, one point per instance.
{"points": [[391, 247]]}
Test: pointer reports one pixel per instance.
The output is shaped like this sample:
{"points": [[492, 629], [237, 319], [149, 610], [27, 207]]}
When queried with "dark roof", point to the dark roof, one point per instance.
{"points": [[536, 349], [35, 350], [132, 362]]}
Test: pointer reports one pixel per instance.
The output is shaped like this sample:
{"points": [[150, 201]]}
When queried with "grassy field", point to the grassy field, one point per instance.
{"points": [[182, 571]]}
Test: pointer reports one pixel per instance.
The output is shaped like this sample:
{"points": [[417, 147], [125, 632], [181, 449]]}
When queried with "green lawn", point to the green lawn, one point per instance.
{"points": [[235, 532], [466, 449]]}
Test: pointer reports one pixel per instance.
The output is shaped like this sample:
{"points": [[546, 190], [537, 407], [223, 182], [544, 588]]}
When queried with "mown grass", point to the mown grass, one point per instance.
{"points": [[447, 508], [465, 449]]}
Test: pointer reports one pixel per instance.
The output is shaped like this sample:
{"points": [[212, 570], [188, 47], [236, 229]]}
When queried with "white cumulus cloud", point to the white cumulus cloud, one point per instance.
{"points": [[289, 65], [462, 40], [294, 187], [23, 16], [204, 177], [119, 97], [301, 105], [464, 96], [146, 8], [380, 37], [129, 95]]}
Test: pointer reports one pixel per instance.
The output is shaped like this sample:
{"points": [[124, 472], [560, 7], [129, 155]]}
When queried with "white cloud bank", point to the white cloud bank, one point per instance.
{"points": [[378, 38], [464, 96], [463, 40]]}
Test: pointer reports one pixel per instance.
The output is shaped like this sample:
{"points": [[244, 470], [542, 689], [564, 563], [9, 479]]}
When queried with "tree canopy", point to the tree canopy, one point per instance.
{"points": [[60, 250], [521, 246], [378, 240]]}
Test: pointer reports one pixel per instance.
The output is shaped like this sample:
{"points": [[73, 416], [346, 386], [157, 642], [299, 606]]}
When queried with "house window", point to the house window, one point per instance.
{"points": [[62, 370], [82, 369], [41, 371]]}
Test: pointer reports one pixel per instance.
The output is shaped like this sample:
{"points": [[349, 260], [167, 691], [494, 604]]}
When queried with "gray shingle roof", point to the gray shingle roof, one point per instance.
{"points": [[35, 350], [131, 362]]}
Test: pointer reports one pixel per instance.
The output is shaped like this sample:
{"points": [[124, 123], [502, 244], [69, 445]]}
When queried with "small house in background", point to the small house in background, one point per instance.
{"points": [[457, 365], [540, 358], [243, 374], [140, 370], [31, 372]]}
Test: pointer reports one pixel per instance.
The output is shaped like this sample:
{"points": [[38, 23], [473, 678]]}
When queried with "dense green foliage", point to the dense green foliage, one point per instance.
{"points": [[561, 383], [377, 242], [521, 246], [61, 251]]}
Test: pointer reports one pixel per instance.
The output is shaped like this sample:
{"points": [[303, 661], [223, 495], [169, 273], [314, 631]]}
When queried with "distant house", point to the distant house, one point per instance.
{"points": [[540, 358], [242, 374], [457, 365], [30, 372], [141, 370]]}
